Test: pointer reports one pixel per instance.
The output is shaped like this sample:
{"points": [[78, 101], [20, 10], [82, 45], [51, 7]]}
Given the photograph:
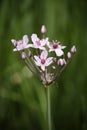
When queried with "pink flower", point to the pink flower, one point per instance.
{"points": [[37, 43], [21, 44], [56, 48], [43, 61]]}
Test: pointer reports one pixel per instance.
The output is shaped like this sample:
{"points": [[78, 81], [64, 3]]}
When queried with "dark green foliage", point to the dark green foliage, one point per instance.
{"points": [[22, 97]]}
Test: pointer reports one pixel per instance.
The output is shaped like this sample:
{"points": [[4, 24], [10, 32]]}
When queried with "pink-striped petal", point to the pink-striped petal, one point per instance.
{"points": [[43, 67], [44, 54], [59, 52], [49, 61], [34, 38], [37, 60], [25, 39]]}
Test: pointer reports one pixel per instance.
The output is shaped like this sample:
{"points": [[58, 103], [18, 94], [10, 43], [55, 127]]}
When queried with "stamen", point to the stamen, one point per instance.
{"points": [[42, 61], [55, 46]]}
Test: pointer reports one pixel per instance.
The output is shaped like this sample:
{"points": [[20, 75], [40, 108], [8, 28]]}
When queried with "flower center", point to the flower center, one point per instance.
{"points": [[38, 43], [55, 46], [19, 42], [42, 61]]}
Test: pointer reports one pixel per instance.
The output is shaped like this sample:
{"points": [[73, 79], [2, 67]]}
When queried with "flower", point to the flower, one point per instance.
{"points": [[57, 48], [21, 44], [42, 60], [37, 43]]}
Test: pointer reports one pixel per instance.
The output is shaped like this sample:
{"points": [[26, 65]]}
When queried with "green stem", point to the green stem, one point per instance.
{"points": [[48, 108]]}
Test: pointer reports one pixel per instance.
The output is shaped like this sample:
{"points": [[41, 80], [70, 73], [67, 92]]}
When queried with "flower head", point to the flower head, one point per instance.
{"points": [[57, 48], [21, 44], [42, 60], [38, 61]]}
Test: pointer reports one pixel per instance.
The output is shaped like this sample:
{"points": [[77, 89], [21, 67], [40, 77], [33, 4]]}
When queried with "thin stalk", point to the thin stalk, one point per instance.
{"points": [[48, 108]]}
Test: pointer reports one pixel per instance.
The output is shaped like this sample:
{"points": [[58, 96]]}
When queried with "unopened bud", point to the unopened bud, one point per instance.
{"points": [[30, 53], [23, 55], [69, 55], [53, 67], [43, 29], [64, 62], [73, 49], [61, 62]]}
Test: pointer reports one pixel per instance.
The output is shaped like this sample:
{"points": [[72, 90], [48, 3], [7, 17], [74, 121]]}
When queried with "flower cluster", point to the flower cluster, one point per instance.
{"points": [[43, 57]]}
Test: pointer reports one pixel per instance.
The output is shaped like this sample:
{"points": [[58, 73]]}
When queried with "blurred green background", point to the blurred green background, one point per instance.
{"points": [[22, 97]]}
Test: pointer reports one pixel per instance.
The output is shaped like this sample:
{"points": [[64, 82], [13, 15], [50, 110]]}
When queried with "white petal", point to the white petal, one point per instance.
{"points": [[37, 63], [49, 46], [42, 48], [51, 50], [37, 58], [18, 48], [43, 67], [59, 52], [62, 47], [25, 39], [49, 61], [34, 38], [15, 49], [27, 46], [44, 41], [44, 54], [31, 45], [14, 42]]}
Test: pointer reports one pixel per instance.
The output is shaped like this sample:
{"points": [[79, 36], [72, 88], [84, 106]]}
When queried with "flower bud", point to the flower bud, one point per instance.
{"points": [[23, 55], [30, 53], [61, 62], [69, 55], [64, 62], [53, 67], [73, 49], [43, 29]]}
